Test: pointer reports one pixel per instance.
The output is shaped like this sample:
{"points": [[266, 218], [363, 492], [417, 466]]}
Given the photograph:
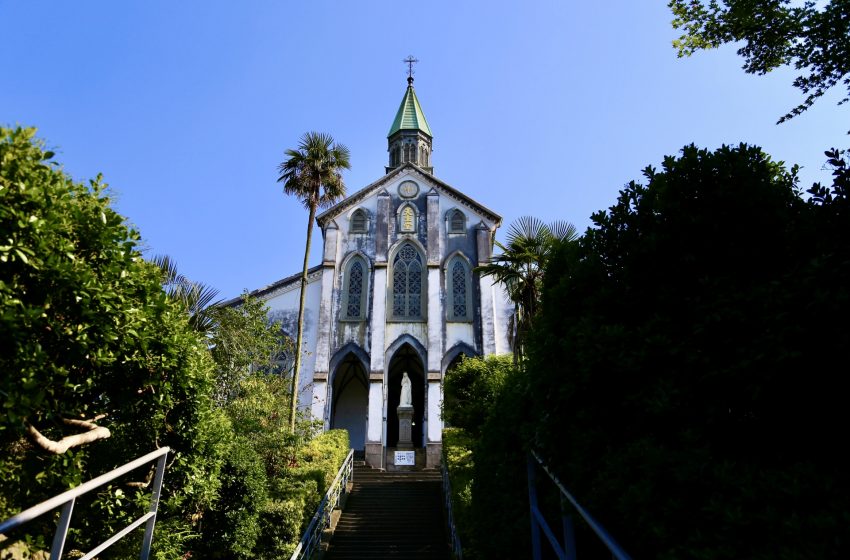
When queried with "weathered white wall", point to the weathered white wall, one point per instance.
{"points": [[504, 310], [283, 306]]}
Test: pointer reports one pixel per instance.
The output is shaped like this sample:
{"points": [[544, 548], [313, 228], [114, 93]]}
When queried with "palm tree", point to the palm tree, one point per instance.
{"points": [[196, 297], [520, 267], [312, 173]]}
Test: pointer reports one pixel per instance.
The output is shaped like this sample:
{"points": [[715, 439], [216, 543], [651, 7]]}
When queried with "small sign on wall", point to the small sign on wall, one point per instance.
{"points": [[405, 458]]}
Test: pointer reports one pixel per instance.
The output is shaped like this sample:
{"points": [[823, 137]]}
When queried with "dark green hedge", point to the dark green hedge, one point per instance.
{"points": [[687, 369]]}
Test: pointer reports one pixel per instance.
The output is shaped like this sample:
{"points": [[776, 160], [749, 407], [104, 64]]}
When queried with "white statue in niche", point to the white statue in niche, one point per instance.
{"points": [[406, 398]]}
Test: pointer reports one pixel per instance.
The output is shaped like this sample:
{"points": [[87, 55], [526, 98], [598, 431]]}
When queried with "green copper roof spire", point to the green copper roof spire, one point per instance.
{"points": [[410, 115], [410, 138]]}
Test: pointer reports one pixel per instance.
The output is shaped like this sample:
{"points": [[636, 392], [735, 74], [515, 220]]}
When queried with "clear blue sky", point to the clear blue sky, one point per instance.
{"points": [[544, 108]]}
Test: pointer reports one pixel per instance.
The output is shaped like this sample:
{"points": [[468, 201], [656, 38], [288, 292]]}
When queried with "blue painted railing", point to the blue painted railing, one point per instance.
{"points": [[539, 525], [66, 501], [454, 538]]}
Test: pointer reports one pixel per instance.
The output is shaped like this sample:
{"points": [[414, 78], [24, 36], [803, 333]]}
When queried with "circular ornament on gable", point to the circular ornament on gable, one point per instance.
{"points": [[408, 189]]}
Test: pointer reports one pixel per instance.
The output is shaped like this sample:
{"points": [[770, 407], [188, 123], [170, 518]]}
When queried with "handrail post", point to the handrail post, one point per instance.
{"points": [[569, 531], [149, 525], [532, 502], [62, 530]]}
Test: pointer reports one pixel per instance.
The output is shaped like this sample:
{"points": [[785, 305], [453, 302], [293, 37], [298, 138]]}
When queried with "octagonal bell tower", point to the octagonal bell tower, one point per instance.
{"points": [[409, 139]]}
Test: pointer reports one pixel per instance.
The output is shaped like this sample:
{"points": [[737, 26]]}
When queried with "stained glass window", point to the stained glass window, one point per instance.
{"points": [[354, 294], [459, 287], [407, 283]]}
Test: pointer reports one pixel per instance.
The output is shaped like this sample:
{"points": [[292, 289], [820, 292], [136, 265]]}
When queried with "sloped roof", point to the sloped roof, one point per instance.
{"points": [[410, 115], [340, 207], [274, 286]]}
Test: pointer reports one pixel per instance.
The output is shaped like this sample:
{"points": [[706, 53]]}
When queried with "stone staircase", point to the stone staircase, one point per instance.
{"points": [[391, 515]]}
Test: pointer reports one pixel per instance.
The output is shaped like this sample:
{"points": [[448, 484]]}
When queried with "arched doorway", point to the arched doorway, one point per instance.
{"points": [[405, 359], [350, 400]]}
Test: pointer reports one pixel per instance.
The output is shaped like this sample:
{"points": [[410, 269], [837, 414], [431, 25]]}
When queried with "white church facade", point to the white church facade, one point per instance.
{"points": [[396, 292]]}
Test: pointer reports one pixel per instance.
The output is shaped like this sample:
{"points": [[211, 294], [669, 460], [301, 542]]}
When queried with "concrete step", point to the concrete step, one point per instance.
{"points": [[396, 514]]}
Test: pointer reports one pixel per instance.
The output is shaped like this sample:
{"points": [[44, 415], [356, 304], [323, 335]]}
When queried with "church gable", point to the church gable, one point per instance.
{"points": [[410, 184]]}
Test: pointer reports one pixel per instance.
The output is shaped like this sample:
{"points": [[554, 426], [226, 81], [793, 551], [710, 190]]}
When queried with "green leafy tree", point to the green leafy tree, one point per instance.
{"points": [[245, 342], [486, 405], [521, 264], [100, 365], [683, 370], [313, 174], [471, 388], [812, 37]]}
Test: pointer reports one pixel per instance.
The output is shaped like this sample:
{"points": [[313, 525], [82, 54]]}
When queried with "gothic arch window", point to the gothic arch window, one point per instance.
{"points": [[424, 158], [408, 279], [459, 290], [407, 219], [355, 289], [457, 221], [359, 222]]}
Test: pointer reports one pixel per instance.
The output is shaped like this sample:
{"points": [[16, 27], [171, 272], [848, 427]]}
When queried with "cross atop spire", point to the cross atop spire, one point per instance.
{"points": [[410, 61]]}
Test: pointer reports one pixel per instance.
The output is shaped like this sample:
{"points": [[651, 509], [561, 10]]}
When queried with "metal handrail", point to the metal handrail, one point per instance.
{"points": [[454, 538], [322, 518], [539, 523], [67, 499]]}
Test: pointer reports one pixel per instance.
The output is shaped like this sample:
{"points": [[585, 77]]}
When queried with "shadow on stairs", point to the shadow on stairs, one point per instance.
{"points": [[391, 515]]}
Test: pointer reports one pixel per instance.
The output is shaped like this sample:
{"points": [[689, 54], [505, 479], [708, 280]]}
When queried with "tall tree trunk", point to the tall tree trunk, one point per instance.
{"points": [[300, 336]]}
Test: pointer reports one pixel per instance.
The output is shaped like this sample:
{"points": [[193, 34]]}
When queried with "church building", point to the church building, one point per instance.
{"points": [[396, 292]]}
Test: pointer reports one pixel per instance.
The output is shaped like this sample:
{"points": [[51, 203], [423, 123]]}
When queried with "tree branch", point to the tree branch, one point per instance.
{"points": [[94, 433]]}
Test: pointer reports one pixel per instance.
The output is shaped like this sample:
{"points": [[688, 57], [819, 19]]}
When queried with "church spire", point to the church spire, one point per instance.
{"points": [[409, 139]]}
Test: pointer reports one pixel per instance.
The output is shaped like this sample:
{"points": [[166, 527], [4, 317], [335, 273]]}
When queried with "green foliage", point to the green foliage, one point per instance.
{"points": [[195, 297], [775, 33], [519, 267], [484, 401], [244, 341], [460, 464], [272, 479], [296, 496], [89, 334], [471, 388], [499, 489], [683, 367]]}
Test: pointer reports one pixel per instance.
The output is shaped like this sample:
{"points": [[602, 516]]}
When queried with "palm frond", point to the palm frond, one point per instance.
{"points": [[197, 298], [563, 231]]}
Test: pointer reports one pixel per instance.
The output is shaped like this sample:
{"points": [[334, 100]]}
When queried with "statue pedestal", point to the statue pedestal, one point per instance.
{"points": [[405, 427]]}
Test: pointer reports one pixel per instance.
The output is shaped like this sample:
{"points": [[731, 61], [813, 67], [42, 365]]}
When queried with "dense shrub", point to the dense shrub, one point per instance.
{"points": [[295, 497], [484, 399], [460, 464], [88, 333], [471, 388], [685, 362]]}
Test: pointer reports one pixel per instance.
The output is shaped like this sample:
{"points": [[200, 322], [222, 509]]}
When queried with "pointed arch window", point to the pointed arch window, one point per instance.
{"points": [[359, 221], [407, 284], [457, 222], [355, 284], [459, 280]]}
